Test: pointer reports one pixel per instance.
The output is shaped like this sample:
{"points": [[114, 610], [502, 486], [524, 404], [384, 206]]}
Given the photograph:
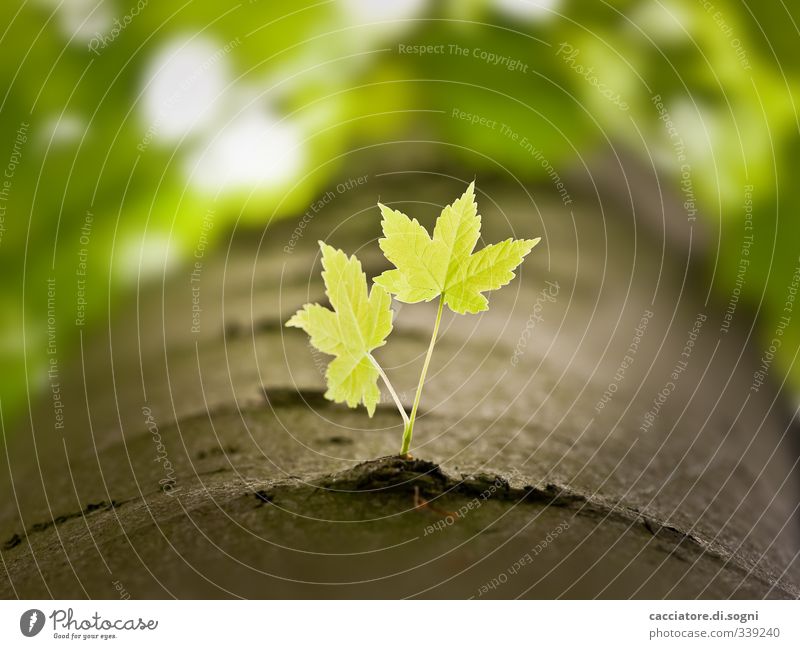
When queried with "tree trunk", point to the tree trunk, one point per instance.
{"points": [[199, 458]]}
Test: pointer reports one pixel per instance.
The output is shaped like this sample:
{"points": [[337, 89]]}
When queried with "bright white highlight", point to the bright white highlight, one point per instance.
{"points": [[144, 258], [668, 24], [255, 150], [81, 19], [184, 84], [527, 9], [65, 128], [368, 11]]}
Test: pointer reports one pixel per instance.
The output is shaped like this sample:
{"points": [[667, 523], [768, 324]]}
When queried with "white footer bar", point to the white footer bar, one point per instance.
{"points": [[389, 624]]}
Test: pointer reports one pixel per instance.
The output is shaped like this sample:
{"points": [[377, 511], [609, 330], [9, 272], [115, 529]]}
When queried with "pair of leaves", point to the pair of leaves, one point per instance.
{"points": [[425, 267]]}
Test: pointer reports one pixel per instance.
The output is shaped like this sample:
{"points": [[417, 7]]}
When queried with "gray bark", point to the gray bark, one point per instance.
{"points": [[270, 497]]}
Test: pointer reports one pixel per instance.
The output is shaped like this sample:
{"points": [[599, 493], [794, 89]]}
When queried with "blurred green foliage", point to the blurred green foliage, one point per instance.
{"points": [[91, 118]]}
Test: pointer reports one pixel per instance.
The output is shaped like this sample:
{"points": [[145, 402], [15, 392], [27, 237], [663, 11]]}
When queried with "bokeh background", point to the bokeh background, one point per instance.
{"points": [[125, 124], [165, 171]]}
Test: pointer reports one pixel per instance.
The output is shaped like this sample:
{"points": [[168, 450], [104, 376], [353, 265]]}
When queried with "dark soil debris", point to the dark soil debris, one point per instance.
{"points": [[263, 497], [339, 440]]}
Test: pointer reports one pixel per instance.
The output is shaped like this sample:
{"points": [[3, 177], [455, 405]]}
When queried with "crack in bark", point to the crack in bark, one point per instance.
{"points": [[91, 508], [395, 474]]}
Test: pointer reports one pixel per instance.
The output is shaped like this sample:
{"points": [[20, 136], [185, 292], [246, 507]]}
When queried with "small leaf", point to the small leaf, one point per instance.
{"points": [[445, 265], [358, 323]]}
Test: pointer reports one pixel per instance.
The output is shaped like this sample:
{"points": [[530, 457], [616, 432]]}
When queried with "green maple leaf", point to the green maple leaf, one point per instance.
{"points": [[426, 267], [358, 323], [445, 265]]}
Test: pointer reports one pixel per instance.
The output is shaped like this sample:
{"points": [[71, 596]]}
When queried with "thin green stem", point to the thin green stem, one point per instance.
{"points": [[410, 425], [391, 389]]}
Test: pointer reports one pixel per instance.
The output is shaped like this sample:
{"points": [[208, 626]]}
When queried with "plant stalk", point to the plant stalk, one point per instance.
{"points": [[390, 388], [409, 430]]}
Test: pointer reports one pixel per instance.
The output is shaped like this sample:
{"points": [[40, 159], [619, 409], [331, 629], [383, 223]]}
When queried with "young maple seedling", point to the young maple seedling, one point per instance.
{"points": [[443, 266]]}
